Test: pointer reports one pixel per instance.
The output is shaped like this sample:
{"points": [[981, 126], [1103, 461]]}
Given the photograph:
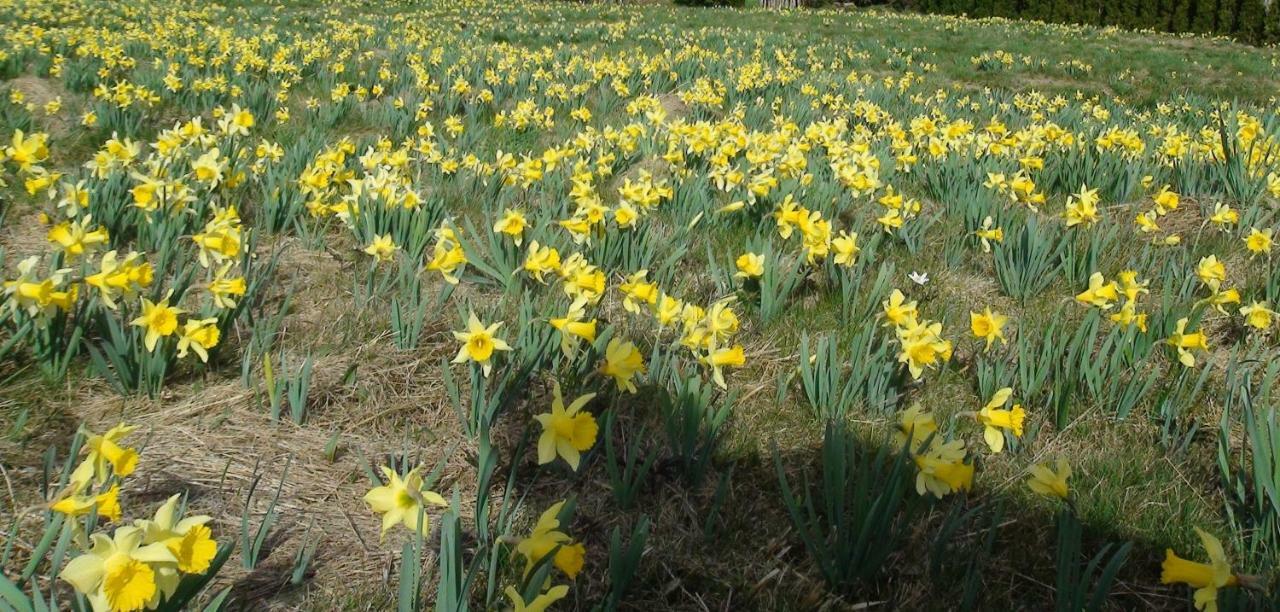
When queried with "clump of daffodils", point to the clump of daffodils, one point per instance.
{"points": [[920, 340], [138, 566], [941, 468]]}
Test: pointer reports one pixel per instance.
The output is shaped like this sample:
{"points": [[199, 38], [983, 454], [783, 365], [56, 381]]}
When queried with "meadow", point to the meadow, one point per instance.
{"points": [[526, 305]]}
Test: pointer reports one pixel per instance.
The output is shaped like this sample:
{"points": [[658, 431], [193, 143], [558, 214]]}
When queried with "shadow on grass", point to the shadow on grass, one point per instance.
{"points": [[728, 542]]}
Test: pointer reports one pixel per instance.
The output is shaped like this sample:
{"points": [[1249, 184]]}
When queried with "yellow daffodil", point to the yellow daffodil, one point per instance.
{"points": [[750, 265], [1205, 578], [108, 456], [1185, 343], [1258, 316], [988, 326], [541, 603], [942, 469], [382, 248], [118, 573], [1082, 208], [987, 234], [190, 541], [159, 319], [1211, 272], [622, 362], [76, 503], [1259, 241], [718, 359], [1101, 294], [1049, 482], [403, 501], [513, 224], [566, 431], [479, 343], [198, 335], [996, 420], [898, 311], [545, 537], [541, 260]]}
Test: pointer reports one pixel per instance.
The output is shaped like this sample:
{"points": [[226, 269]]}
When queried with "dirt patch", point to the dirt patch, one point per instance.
{"points": [[673, 106], [40, 91], [22, 236]]}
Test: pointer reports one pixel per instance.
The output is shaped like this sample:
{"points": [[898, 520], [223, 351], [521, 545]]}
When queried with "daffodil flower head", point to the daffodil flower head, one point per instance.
{"points": [[189, 539], [540, 603], [1206, 578], [107, 456], [119, 572], [988, 326], [622, 362], [403, 501], [546, 537], [1047, 481], [566, 431], [996, 420], [159, 319], [479, 343]]}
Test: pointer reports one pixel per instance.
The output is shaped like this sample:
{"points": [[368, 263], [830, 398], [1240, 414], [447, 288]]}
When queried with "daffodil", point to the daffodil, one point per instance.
{"points": [[1224, 216], [159, 319], [546, 537], [638, 292], [1185, 343], [198, 335], [574, 329], [76, 239], [120, 277], [541, 260], [622, 362], [942, 469], [117, 574], [988, 326], [719, 358], [107, 456], [898, 311], [403, 501], [1259, 241], [1082, 208], [540, 603], [566, 431], [996, 420], [1211, 272], [1100, 293], [916, 425], [513, 224], [749, 265], [479, 343], [922, 346], [1205, 578], [1049, 482], [189, 539], [447, 258], [846, 247], [225, 288], [382, 248], [1258, 315], [78, 503], [988, 233]]}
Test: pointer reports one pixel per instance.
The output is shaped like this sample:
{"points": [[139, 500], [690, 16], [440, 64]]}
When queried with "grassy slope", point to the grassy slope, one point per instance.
{"points": [[1134, 489]]}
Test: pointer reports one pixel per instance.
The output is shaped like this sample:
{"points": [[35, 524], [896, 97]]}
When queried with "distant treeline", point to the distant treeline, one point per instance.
{"points": [[1253, 21]]}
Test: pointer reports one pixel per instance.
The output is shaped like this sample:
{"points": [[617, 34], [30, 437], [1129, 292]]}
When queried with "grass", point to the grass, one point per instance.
{"points": [[727, 541]]}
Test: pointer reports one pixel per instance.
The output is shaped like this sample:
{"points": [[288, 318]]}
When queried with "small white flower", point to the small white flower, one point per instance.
{"points": [[919, 278]]}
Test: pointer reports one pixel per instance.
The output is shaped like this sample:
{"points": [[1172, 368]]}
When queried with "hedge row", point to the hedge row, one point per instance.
{"points": [[1250, 21]]}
